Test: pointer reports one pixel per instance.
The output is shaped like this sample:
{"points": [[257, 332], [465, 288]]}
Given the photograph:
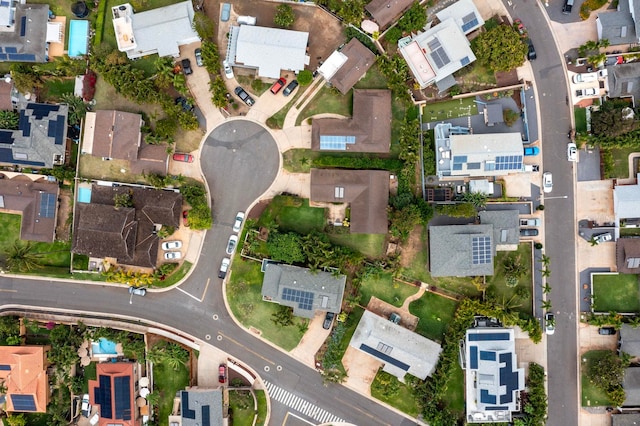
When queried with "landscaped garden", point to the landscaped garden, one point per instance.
{"points": [[592, 395], [389, 389], [435, 313], [616, 292], [386, 289]]}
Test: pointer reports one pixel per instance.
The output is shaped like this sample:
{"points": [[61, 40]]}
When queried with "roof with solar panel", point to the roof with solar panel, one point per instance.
{"points": [[113, 393], [304, 290], [201, 407], [24, 376], [24, 39], [461, 250]]}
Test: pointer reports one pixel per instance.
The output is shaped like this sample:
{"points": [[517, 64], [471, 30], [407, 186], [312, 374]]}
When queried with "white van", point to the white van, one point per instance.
{"points": [[589, 77]]}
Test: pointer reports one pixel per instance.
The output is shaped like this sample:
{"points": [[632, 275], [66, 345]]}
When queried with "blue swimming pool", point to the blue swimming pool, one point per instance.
{"points": [[103, 347], [78, 38], [84, 195]]}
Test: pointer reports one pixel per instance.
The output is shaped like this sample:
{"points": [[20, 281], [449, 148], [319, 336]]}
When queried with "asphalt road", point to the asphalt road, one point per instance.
{"points": [[240, 160], [560, 225]]}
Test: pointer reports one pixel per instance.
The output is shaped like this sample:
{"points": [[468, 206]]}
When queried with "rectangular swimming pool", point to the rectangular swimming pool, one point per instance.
{"points": [[78, 38], [84, 195]]}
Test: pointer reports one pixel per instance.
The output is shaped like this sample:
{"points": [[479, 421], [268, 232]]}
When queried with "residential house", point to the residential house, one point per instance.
{"points": [[346, 66], [24, 31], [492, 381], [385, 12], [625, 419], [162, 30], [367, 191], [506, 227], [630, 340], [114, 393], [23, 374], [631, 385], [40, 140], [493, 114], [115, 135], [461, 250], [435, 54], [628, 255], [623, 81], [626, 204], [35, 198], [303, 290], [620, 26], [461, 154], [199, 407], [268, 50], [368, 130], [401, 350], [127, 235]]}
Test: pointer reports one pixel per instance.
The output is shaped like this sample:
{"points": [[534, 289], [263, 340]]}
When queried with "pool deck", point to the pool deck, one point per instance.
{"points": [[57, 49]]}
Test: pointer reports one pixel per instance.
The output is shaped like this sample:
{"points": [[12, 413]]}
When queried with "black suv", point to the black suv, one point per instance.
{"points": [[531, 53], [328, 319], [607, 331], [244, 96], [186, 67], [566, 8]]}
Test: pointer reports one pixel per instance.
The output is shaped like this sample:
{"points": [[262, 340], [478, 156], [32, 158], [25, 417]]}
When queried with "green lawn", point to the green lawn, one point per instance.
{"points": [[373, 79], [167, 382], [384, 288], [245, 299], [592, 396], [630, 232], [454, 395], [580, 115], [176, 276], [617, 293], [621, 161], [262, 407], [327, 100], [293, 214], [403, 399], [89, 374], [371, 245], [435, 313], [498, 285], [351, 324], [241, 405], [298, 160], [450, 109], [55, 87]]}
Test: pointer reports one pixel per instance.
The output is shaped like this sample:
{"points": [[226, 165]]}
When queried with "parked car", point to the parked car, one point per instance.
{"points": [[395, 318], [138, 291], [198, 55], [590, 91], [587, 77], [531, 51], [328, 319], [547, 182], [228, 71], [603, 238], [549, 323], [290, 88], [572, 152], [186, 66], [244, 96], [531, 150], [186, 105], [222, 373], [566, 8], [185, 217], [226, 12], [607, 331], [528, 232], [172, 245], [172, 255], [238, 223], [185, 158], [224, 267], [278, 85], [531, 222], [85, 408], [231, 244]]}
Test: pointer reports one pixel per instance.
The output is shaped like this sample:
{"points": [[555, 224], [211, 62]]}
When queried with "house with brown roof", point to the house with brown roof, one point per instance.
{"points": [[369, 130], [35, 199], [116, 135], [367, 191], [345, 67], [384, 12], [628, 255], [23, 372], [114, 393], [127, 234]]}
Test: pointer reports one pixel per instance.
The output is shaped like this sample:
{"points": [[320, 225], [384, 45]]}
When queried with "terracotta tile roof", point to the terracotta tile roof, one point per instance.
{"points": [[121, 400], [23, 371]]}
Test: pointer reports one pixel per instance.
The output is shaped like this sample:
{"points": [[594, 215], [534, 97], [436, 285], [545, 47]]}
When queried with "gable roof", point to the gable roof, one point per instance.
{"points": [[114, 393], [366, 190], [24, 34], [625, 419], [24, 375], [36, 201], [384, 12], [103, 231], [401, 350], [631, 385], [630, 340], [618, 25], [628, 255], [369, 130], [461, 250], [199, 407], [358, 61], [624, 80], [271, 50], [626, 201], [506, 226]]}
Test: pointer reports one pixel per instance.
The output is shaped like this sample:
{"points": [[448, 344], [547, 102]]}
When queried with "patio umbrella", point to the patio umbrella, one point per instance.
{"points": [[143, 382], [369, 26], [84, 361]]}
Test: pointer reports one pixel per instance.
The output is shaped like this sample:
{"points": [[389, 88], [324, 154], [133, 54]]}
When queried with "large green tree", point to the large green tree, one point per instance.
{"points": [[286, 247], [500, 49], [21, 257], [414, 19], [613, 119], [284, 16]]}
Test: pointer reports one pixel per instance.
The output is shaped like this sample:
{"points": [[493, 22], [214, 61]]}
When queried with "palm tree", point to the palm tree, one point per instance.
{"points": [[593, 241], [546, 288], [545, 260], [546, 272], [634, 322], [21, 257], [546, 305]]}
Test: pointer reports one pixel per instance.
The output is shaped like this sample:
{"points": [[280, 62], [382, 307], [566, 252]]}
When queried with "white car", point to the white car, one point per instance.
{"points": [[547, 182], [231, 244], [603, 238], [171, 245], [224, 267], [85, 408], [172, 255], [572, 152], [549, 323], [238, 223], [228, 71]]}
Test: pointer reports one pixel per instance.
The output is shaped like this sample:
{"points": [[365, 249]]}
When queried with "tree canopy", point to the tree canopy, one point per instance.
{"points": [[612, 120], [284, 16], [500, 49]]}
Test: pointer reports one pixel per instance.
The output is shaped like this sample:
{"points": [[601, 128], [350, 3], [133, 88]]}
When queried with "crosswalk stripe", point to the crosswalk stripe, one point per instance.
{"points": [[300, 405]]}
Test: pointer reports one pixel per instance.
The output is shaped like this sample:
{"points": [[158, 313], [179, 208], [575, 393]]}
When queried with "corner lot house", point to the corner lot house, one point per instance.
{"points": [[401, 350], [114, 393], [199, 406], [345, 67], [492, 381], [23, 372], [162, 30], [303, 290], [23, 37]]}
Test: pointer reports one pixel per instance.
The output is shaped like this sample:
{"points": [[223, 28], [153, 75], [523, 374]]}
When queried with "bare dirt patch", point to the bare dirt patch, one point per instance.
{"points": [[412, 247], [385, 309], [63, 225]]}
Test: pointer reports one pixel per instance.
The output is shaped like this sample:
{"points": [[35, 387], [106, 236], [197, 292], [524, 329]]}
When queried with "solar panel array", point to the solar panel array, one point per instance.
{"points": [[206, 416], [187, 413], [509, 162], [23, 402], [303, 298], [56, 129], [6, 156], [123, 397], [469, 21], [386, 358], [486, 397], [5, 367], [483, 337], [42, 110], [508, 378], [102, 396], [47, 205], [438, 54], [336, 142], [11, 49], [23, 26], [481, 250], [4, 3], [6, 137], [24, 125], [465, 61]]}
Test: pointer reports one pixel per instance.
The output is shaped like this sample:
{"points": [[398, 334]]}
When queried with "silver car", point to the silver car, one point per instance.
{"points": [[238, 223], [547, 182], [231, 244]]}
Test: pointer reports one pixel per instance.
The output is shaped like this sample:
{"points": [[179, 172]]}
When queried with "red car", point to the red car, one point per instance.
{"points": [[186, 158], [222, 373], [185, 218], [278, 85]]}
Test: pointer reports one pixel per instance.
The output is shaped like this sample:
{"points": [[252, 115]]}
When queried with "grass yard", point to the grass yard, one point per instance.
{"points": [[373, 79], [176, 276], [54, 88], [435, 313], [476, 73], [592, 396], [293, 214], [241, 406], [497, 282], [262, 407], [384, 288], [630, 232], [298, 160], [616, 292], [450, 109], [403, 398], [245, 299], [167, 382], [371, 245], [351, 323], [454, 395], [327, 100], [621, 161], [580, 116], [89, 374]]}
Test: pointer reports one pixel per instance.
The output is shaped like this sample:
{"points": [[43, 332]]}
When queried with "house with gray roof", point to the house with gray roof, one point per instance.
{"points": [[461, 250], [40, 140], [506, 227], [628, 255], [619, 26], [492, 380], [268, 50], [626, 202], [346, 66], [24, 31], [631, 385], [623, 81], [630, 340], [302, 289], [199, 407], [401, 350], [625, 419]]}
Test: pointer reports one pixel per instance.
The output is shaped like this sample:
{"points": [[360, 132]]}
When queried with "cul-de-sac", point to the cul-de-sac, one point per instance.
{"points": [[314, 213]]}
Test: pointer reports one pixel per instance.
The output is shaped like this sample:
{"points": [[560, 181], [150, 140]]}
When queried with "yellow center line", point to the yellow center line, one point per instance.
{"points": [[9, 291], [247, 349], [205, 289]]}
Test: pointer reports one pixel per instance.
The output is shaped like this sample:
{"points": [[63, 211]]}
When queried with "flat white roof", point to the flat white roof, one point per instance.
{"points": [[331, 66]]}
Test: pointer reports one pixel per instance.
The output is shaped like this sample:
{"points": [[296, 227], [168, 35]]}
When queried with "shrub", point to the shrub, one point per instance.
{"points": [[305, 77], [89, 85]]}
